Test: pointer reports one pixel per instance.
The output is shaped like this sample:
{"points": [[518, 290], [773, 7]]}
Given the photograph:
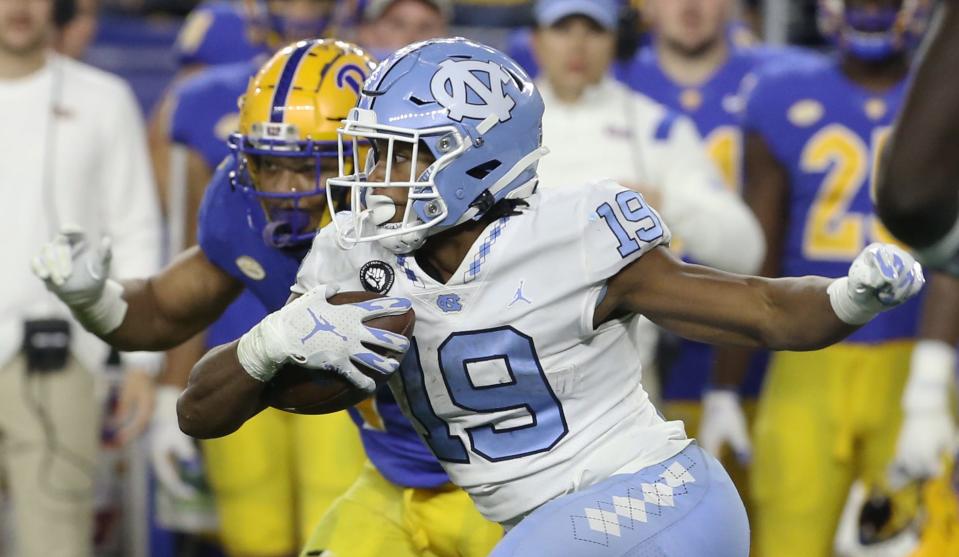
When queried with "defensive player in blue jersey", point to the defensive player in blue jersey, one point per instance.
{"points": [[258, 216], [205, 114], [534, 405], [194, 126], [814, 131]]}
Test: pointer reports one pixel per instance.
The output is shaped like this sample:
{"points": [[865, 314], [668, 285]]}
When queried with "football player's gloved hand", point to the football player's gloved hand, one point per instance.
{"points": [[170, 447], [928, 430], [77, 273], [311, 332], [882, 277], [723, 423]]}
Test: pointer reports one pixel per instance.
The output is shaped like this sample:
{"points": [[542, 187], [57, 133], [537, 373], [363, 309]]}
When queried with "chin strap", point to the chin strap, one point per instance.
{"points": [[286, 228]]}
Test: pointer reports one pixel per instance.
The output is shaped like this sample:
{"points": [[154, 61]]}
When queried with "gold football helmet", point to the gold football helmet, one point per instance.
{"points": [[287, 140]]}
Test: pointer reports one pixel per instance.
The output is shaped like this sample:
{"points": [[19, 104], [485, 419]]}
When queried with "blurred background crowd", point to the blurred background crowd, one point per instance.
{"points": [[692, 102]]}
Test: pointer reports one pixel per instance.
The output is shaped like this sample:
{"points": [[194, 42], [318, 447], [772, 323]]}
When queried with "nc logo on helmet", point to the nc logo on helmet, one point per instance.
{"points": [[457, 86]]}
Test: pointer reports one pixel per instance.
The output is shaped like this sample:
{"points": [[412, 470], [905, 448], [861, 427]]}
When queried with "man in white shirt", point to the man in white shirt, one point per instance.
{"points": [[595, 126], [72, 154]]}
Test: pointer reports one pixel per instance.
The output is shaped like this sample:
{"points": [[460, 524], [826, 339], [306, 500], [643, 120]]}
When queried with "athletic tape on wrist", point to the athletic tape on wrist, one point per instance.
{"points": [[846, 308], [251, 353], [105, 315]]}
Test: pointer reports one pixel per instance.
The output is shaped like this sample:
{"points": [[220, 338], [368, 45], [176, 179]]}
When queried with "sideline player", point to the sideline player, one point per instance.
{"points": [[405, 506], [531, 401], [814, 129]]}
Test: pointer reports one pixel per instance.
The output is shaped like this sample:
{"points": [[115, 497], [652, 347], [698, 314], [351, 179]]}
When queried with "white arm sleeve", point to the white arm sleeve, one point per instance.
{"points": [[715, 226]]}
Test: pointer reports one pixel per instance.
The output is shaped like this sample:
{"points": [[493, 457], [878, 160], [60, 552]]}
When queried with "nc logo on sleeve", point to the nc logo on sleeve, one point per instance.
{"points": [[472, 89]]}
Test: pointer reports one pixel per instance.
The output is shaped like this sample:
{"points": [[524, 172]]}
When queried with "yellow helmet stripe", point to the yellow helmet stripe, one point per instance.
{"points": [[286, 80]]}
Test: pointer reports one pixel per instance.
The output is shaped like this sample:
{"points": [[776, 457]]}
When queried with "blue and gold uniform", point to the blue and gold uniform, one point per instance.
{"points": [[402, 503], [249, 490], [204, 116], [292, 466], [828, 416]]}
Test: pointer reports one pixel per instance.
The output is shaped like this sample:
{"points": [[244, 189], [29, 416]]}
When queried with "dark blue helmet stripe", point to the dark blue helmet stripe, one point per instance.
{"points": [[286, 79]]}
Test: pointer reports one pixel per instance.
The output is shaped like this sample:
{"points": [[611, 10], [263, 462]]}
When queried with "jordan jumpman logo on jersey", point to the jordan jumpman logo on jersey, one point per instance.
{"points": [[518, 296]]}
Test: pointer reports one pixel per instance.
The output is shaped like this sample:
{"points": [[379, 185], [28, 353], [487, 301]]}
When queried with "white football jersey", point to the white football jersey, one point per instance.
{"points": [[507, 381]]}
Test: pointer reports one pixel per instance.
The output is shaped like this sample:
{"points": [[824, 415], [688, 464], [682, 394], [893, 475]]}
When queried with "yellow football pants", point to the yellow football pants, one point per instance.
{"points": [[824, 418], [277, 475], [940, 534], [376, 518]]}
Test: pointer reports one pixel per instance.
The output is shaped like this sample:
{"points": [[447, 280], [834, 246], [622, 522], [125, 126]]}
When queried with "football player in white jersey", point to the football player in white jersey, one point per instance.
{"points": [[520, 376]]}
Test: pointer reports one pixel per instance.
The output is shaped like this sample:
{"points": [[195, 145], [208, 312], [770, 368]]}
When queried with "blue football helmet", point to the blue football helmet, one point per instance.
{"points": [[873, 33], [475, 110]]}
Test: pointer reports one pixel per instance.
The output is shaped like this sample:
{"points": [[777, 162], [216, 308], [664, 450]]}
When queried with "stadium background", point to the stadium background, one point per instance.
{"points": [[135, 39]]}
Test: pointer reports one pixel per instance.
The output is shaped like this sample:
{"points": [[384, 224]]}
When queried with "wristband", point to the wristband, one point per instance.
{"points": [[847, 309], [252, 354], [105, 315]]}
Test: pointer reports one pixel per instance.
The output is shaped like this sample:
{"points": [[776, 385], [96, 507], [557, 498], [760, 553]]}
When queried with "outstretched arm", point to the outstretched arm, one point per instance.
{"points": [[149, 314], [804, 313], [168, 309]]}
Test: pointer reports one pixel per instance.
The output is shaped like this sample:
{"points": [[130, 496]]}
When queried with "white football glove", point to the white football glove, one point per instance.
{"points": [[723, 423], [928, 430], [169, 447], [882, 277], [311, 332], [77, 275]]}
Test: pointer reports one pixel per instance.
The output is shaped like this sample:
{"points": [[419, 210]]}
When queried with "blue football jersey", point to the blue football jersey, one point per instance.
{"points": [[828, 132], [715, 105], [229, 236], [206, 111]]}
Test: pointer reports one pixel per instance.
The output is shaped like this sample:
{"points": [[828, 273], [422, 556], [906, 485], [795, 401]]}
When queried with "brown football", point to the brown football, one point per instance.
{"points": [[303, 391]]}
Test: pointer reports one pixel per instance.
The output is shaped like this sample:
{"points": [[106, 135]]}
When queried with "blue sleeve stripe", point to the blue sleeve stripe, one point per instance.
{"points": [[666, 125], [286, 80]]}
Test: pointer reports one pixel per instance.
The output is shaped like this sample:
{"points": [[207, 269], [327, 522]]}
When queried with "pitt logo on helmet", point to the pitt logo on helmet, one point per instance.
{"points": [[287, 139]]}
